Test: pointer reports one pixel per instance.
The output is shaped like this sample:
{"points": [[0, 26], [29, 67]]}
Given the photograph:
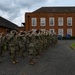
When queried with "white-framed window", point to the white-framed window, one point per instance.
{"points": [[51, 21], [43, 29], [60, 32], [51, 30], [69, 21], [34, 22], [42, 22], [69, 31], [60, 21]]}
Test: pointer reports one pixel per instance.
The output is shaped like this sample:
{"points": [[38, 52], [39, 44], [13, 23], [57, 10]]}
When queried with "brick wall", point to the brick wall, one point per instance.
{"points": [[21, 29], [28, 25], [2, 29]]}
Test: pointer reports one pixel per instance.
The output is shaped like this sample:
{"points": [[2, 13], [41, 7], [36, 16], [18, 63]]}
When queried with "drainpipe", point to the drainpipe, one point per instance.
{"points": [[28, 23]]}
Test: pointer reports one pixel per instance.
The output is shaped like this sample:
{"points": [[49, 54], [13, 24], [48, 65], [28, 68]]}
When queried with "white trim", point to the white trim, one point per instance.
{"points": [[34, 21], [51, 19], [69, 31], [69, 18], [42, 21], [60, 32], [60, 21]]}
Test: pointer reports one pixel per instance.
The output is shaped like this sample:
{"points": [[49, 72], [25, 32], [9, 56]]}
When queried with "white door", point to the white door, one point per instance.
{"points": [[69, 31], [60, 32], [51, 30]]}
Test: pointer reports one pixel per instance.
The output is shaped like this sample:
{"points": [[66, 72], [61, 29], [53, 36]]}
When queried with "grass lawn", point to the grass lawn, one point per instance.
{"points": [[72, 45]]}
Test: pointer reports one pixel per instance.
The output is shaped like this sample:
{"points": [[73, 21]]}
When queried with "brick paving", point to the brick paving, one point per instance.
{"points": [[58, 60]]}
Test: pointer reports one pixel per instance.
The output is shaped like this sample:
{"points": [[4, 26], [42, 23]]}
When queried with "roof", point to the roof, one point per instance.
{"points": [[54, 9], [7, 24]]}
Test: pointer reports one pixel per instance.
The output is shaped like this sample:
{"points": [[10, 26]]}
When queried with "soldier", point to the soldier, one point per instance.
{"points": [[17, 47], [12, 45], [2, 43], [37, 44], [7, 41], [21, 44], [42, 41], [25, 41], [0, 48], [31, 48], [55, 38]]}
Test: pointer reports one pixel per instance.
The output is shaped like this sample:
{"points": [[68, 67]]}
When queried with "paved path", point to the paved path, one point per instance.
{"points": [[58, 60]]}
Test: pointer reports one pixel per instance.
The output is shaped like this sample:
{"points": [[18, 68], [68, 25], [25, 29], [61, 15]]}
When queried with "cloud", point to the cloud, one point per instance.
{"points": [[14, 10]]}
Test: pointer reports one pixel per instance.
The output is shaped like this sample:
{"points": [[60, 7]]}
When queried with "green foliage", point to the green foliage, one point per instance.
{"points": [[73, 45]]}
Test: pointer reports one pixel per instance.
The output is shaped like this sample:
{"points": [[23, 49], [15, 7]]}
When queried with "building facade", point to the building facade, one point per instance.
{"points": [[55, 19], [21, 29]]}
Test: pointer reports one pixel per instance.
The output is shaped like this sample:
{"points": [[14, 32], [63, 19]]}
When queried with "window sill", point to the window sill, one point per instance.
{"points": [[51, 25], [60, 26], [69, 26], [33, 26]]}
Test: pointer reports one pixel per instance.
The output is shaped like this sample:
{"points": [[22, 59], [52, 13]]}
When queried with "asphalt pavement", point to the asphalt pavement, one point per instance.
{"points": [[58, 60]]}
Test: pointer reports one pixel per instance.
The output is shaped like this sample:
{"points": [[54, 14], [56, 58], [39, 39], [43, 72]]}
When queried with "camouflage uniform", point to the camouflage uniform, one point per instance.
{"points": [[27, 42], [44, 42], [7, 42], [0, 48], [2, 43], [12, 46], [32, 49], [37, 45], [41, 41], [55, 38], [21, 45]]}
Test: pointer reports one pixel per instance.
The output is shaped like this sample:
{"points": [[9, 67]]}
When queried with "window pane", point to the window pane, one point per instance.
{"points": [[43, 23], [51, 20], [69, 21], [33, 21], [60, 21]]}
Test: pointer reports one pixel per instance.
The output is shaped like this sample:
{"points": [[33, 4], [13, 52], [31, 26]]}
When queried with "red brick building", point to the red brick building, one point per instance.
{"points": [[22, 28], [6, 26], [55, 19]]}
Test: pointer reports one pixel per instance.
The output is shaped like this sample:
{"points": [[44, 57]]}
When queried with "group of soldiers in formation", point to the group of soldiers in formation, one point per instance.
{"points": [[31, 43]]}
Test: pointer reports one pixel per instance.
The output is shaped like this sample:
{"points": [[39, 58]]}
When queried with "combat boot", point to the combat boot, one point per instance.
{"points": [[13, 62], [34, 61], [16, 61], [31, 62]]}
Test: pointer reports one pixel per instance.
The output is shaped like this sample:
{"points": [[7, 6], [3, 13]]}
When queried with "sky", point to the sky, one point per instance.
{"points": [[14, 10]]}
